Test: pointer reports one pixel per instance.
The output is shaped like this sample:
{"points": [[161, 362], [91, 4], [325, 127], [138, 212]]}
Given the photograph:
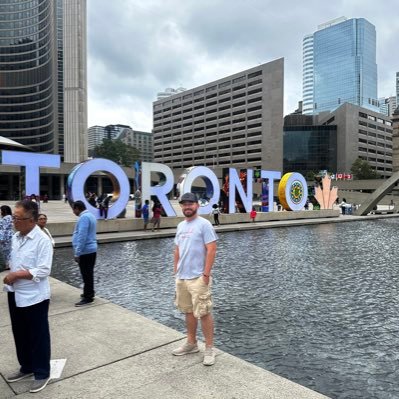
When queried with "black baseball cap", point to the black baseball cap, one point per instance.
{"points": [[188, 197]]}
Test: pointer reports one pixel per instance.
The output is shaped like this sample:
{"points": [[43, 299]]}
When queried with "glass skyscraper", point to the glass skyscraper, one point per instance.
{"points": [[35, 58], [343, 60]]}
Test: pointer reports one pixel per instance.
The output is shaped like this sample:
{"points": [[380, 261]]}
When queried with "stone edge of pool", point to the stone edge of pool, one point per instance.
{"points": [[114, 352], [118, 231]]}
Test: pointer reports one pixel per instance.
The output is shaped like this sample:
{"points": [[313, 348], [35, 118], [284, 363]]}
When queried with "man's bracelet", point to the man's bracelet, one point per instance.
{"points": [[206, 275]]}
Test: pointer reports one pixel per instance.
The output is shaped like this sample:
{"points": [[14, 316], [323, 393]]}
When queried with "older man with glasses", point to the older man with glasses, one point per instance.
{"points": [[29, 295]]}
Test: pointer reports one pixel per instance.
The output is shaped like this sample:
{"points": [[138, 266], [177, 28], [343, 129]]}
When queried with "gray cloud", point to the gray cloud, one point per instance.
{"points": [[138, 48]]}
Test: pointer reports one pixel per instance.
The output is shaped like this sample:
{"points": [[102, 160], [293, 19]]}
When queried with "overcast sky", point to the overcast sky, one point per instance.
{"points": [[137, 48]]}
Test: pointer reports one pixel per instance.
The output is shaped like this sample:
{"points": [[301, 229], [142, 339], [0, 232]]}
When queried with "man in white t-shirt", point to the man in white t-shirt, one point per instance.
{"points": [[193, 260]]}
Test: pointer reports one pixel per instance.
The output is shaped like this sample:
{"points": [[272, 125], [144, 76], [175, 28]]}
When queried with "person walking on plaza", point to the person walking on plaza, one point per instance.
{"points": [[41, 222], [194, 254], [156, 216], [85, 249], [253, 214], [146, 213], [6, 233], [215, 212], [29, 296]]}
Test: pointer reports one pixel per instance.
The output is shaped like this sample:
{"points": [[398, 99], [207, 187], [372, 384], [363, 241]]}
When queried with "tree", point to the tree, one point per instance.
{"points": [[117, 151], [362, 170]]}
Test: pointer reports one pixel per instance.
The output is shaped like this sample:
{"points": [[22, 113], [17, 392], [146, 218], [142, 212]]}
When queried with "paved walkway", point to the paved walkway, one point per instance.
{"points": [[112, 352]]}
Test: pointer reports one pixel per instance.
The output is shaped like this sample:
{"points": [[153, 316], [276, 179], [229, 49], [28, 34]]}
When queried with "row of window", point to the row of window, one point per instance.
{"points": [[199, 160], [375, 119], [201, 99], [214, 87], [225, 142], [374, 143], [219, 118], [210, 111], [372, 134]]}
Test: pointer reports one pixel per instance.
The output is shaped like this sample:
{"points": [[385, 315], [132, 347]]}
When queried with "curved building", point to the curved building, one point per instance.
{"points": [[28, 74], [43, 96]]}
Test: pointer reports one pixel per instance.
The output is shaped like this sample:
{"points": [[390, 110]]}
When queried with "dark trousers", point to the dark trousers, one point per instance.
{"points": [[32, 336], [86, 265], [103, 212], [216, 219]]}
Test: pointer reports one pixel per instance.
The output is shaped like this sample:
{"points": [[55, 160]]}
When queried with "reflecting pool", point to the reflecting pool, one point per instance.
{"points": [[315, 304]]}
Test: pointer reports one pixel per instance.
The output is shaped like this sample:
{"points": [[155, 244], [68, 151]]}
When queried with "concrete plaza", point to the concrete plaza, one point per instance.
{"points": [[112, 352]]}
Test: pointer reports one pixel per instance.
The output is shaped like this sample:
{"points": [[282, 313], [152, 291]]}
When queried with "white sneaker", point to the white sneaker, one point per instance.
{"points": [[209, 357], [185, 349]]}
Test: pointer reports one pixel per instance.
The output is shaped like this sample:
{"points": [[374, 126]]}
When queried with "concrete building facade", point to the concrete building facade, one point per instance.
{"points": [[348, 133], [37, 55], [236, 121], [140, 140]]}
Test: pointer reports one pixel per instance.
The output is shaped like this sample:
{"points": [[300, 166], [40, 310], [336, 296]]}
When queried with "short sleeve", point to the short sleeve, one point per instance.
{"points": [[209, 233]]}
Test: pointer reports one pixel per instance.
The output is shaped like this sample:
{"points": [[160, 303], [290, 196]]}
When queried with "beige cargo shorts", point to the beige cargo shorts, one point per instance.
{"points": [[194, 296]]}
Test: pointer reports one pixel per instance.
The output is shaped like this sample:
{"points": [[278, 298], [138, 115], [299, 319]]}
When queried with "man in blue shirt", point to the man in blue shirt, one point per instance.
{"points": [[146, 213], [85, 249]]}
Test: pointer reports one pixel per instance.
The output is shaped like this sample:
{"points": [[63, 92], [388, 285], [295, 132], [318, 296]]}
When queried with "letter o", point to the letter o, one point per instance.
{"points": [[293, 191], [212, 186], [77, 179]]}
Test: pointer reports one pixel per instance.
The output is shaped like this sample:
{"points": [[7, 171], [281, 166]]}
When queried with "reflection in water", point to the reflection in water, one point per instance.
{"points": [[316, 304]]}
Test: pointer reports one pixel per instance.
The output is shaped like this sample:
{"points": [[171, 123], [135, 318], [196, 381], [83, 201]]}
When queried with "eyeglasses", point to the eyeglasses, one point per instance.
{"points": [[42, 219], [15, 218]]}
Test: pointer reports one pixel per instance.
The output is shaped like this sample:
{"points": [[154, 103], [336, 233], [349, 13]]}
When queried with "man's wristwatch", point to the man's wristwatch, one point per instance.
{"points": [[206, 275]]}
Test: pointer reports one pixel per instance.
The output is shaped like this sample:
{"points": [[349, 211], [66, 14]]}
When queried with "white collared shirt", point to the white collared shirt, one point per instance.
{"points": [[32, 252]]}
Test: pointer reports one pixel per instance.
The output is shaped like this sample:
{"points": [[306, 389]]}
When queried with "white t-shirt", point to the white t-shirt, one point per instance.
{"points": [[191, 238]]}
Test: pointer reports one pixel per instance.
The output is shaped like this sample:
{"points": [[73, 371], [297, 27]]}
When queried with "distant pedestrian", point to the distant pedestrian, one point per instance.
{"points": [[253, 214], [29, 296], [146, 213], [194, 254], [6, 233], [42, 222], [85, 249], [343, 206], [92, 200], [156, 216], [104, 205], [215, 212]]}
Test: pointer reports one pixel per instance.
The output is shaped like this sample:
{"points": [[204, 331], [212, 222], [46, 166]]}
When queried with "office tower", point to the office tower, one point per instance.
{"points": [[387, 105], [140, 140], [75, 80], [397, 89], [96, 134], [235, 121], [35, 67], [343, 57]]}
